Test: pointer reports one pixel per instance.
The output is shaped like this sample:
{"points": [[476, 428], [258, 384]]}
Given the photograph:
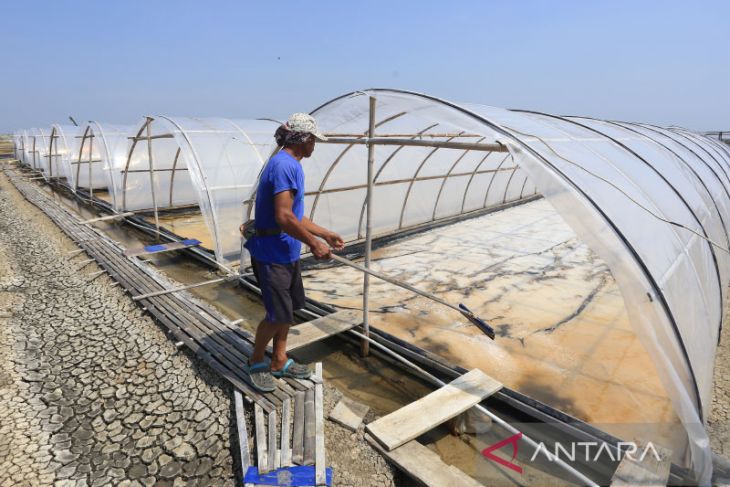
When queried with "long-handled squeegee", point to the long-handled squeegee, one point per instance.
{"points": [[476, 321]]}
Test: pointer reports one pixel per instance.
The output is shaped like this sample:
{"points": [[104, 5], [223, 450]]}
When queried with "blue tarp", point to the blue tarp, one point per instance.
{"points": [[159, 247], [285, 477]]}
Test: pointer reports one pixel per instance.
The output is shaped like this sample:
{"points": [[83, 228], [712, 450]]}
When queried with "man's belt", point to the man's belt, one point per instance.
{"points": [[268, 232]]}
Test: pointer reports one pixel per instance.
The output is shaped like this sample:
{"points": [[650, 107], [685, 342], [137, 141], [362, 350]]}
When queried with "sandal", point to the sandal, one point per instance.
{"points": [[261, 377], [294, 370]]}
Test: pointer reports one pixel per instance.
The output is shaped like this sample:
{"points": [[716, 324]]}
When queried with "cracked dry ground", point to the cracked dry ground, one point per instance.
{"points": [[91, 390]]}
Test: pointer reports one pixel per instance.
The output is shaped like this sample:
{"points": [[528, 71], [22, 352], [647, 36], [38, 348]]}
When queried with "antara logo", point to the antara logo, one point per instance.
{"points": [[591, 451], [512, 440]]}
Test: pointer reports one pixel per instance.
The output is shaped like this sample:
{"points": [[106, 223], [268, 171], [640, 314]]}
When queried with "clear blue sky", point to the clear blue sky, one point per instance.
{"points": [[665, 62]]}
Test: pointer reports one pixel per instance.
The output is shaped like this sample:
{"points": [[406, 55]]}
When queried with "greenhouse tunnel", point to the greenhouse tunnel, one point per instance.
{"points": [[63, 142], [651, 202], [177, 163], [99, 149]]}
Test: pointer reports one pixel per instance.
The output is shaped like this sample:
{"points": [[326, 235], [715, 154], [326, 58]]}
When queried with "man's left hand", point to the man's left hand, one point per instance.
{"points": [[335, 241]]}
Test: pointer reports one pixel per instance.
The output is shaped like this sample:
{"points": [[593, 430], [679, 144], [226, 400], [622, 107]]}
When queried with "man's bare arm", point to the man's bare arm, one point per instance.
{"points": [[289, 223]]}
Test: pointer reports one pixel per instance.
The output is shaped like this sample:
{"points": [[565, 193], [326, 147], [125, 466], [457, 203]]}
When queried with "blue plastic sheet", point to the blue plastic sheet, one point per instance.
{"points": [[285, 477], [159, 247]]}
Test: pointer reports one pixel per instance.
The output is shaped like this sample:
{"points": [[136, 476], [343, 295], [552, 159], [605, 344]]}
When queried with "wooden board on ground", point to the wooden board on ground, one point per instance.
{"points": [[260, 437], [166, 247], [309, 428], [416, 418], [319, 454], [242, 432], [285, 432], [298, 436], [349, 413], [321, 328], [272, 444], [425, 465], [648, 471]]}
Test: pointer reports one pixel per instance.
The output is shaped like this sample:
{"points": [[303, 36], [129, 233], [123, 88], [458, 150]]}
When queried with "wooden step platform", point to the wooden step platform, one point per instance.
{"points": [[425, 465], [321, 328], [411, 421], [159, 248], [306, 448]]}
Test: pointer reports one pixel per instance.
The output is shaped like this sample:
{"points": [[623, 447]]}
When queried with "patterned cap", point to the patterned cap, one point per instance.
{"points": [[303, 122]]}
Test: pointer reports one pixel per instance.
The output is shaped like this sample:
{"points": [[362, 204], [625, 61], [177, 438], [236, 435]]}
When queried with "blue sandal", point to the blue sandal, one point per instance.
{"points": [[294, 370], [261, 376]]}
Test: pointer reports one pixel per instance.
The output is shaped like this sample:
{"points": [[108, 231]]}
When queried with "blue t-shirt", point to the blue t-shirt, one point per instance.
{"points": [[282, 173]]}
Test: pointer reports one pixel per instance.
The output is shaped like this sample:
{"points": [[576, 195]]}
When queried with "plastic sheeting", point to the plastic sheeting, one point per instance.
{"points": [[412, 185], [212, 163], [63, 141], [19, 145], [99, 152], [649, 201]]}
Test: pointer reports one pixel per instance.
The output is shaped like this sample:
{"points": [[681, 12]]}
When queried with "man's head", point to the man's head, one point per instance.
{"points": [[299, 135]]}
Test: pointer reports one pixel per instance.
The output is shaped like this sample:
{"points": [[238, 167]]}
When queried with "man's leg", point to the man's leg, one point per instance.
{"points": [[279, 357], [265, 332]]}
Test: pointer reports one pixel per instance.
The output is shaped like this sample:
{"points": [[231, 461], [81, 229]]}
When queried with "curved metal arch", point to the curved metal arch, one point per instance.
{"points": [[85, 135], [415, 175], [509, 181], [629, 247], [491, 180], [689, 166], [476, 170], [524, 183], [52, 139], [380, 170], [172, 173], [446, 177], [339, 158], [666, 181], [243, 132], [129, 159]]}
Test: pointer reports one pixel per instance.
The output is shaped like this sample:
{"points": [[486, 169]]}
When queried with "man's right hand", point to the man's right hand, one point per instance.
{"points": [[320, 250]]}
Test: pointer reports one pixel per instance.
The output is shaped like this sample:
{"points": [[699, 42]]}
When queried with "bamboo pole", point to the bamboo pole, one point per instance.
{"points": [[497, 147], [108, 217], [365, 345]]}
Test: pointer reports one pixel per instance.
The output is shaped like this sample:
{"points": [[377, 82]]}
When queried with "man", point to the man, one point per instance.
{"points": [[281, 228]]}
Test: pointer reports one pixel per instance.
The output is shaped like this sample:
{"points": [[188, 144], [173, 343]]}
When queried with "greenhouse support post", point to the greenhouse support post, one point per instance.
{"points": [[152, 176], [365, 344], [91, 152]]}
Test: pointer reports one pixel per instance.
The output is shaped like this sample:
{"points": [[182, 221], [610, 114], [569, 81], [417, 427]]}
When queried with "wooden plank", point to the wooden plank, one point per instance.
{"points": [[425, 465], [411, 421], [349, 413], [166, 247], [271, 451], [649, 471], [108, 217], [285, 432], [260, 437], [319, 453], [321, 328], [309, 428], [242, 432], [298, 438]]}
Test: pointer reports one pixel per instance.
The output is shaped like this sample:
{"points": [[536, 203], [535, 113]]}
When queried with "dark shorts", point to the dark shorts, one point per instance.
{"points": [[282, 289]]}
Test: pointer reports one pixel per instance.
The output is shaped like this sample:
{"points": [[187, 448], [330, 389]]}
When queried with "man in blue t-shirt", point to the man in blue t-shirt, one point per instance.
{"points": [[281, 228]]}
